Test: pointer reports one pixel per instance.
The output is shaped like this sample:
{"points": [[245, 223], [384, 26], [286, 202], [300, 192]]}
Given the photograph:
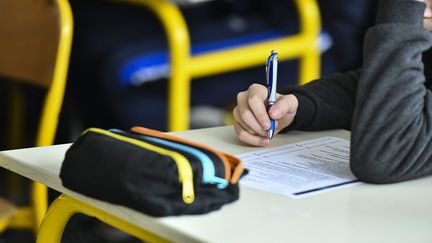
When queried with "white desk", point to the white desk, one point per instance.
{"points": [[363, 213]]}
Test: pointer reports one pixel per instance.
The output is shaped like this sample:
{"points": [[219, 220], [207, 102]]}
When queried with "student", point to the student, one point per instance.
{"points": [[387, 104]]}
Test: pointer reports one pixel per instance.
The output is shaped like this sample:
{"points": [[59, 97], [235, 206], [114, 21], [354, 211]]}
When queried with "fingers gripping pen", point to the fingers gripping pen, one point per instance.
{"points": [[271, 74]]}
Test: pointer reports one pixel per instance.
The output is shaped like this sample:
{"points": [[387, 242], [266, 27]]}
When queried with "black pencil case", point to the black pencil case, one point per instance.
{"points": [[152, 172]]}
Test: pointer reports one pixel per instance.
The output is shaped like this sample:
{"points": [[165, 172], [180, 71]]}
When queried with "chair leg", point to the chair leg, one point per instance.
{"points": [[179, 48], [62, 209], [39, 203]]}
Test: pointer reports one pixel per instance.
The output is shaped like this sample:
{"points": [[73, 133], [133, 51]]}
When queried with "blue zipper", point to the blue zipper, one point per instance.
{"points": [[209, 172], [207, 164]]}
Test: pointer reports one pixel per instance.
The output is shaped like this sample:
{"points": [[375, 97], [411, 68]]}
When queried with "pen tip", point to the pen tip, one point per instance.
{"points": [[270, 134]]}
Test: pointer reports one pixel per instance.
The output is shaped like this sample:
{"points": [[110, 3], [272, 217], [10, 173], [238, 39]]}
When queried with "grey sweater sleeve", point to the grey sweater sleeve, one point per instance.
{"points": [[392, 123], [327, 103]]}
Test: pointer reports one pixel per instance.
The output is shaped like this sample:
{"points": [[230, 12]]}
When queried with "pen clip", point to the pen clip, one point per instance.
{"points": [[271, 68]]}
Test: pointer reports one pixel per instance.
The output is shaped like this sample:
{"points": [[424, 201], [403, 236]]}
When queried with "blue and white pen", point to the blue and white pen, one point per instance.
{"points": [[271, 74]]}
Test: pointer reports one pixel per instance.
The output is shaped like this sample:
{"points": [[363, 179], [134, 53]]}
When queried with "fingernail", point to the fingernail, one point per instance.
{"points": [[428, 13], [265, 141], [266, 125]]}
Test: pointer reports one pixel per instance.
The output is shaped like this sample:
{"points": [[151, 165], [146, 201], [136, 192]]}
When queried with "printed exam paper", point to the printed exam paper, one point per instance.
{"points": [[300, 169]]}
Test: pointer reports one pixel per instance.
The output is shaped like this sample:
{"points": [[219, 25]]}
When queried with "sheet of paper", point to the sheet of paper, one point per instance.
{"points": [[300, 169]]}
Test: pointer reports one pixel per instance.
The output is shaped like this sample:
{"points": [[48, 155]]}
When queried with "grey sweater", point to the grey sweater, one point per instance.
{"points": [[387, 104]]}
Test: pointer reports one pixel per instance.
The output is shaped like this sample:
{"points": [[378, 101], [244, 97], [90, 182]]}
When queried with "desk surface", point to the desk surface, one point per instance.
{"points": [[362, 213]]}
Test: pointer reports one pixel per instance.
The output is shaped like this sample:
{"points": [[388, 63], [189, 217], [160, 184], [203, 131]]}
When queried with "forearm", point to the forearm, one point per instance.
{"points": [[391, 135]]}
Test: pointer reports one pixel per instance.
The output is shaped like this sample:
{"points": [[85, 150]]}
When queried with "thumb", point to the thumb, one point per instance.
{"points": [[284, 104], [284, 110]]}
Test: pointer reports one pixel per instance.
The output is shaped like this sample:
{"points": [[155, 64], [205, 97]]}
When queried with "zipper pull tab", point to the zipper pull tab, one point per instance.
{"points": [[188, 191]]}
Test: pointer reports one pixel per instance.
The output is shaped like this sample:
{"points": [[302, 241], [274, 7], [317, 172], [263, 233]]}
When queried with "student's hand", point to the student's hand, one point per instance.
{"points": [[251, 117], [427, 22]]}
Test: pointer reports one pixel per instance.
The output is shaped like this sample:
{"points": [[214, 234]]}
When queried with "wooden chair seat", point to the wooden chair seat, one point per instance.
{"points": [[7, 211]]}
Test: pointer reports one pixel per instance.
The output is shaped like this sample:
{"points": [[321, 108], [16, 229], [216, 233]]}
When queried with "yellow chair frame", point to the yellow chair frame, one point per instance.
{"points": [[64, 207], [31, 217], [303, 45]]}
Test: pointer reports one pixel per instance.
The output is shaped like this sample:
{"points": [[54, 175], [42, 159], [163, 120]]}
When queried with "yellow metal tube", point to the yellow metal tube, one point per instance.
{"points": [[54, 98], [179, 46], [310, 19], [303, 45], [64, 207], [30, 217], [53, 102], [3, 224], [310, 24], [39, 198], [246, 56]]}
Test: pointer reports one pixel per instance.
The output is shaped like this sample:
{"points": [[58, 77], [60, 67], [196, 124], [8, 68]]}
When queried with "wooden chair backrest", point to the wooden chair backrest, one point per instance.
{"points": [[29, 35], [6, 209]]}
